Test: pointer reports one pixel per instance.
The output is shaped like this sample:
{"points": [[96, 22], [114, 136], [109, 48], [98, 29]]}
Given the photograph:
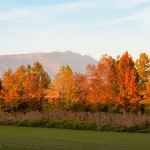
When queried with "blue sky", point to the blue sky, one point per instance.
{"points": [[92, 27]]}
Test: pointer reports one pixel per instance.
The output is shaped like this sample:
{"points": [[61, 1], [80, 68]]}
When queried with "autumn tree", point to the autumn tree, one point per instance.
{"points": [[107, 67], [25, 88], [8, 91], [62, 90], [143, 67], [147, 98], [94, 85], [0, 84], [103, 83], [0, 87], [1, 101], [7, 81], [128, 97], [36, 84], [19, 79], [148, 92], [82, 91]]}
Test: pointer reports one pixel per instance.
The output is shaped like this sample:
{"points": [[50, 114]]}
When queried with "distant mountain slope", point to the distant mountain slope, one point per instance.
{"points": [[52, 62]]}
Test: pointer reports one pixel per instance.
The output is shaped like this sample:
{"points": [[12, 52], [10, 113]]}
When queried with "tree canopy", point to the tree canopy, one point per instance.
{"points": [[119, 85]]}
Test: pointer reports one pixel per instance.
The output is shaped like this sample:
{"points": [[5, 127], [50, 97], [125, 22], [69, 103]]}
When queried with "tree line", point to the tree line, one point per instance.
{"points": [[119, 85]]}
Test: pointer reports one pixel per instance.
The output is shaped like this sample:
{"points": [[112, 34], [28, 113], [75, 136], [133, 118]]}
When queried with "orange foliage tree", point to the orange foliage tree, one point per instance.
{"points": [[62, 90], [1, 101], [103, 83], [12, 90], [82, 91], [113, 85], [147, 95], [8, 92], [24, 87], [128, 97], [36, 85]]}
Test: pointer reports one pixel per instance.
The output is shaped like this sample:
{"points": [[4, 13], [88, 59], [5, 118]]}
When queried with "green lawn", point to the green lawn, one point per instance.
{"points": [[25, 138]]}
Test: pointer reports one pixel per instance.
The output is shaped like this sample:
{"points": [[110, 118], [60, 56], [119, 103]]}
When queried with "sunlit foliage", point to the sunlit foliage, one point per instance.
{"points": [[113, 85]]}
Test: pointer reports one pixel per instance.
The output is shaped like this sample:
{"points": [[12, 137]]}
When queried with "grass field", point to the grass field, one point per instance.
{"points": [[26, 138]]}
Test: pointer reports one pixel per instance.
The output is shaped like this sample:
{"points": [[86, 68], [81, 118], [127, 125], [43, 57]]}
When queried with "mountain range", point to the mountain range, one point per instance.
{"points": [[51, 62]]}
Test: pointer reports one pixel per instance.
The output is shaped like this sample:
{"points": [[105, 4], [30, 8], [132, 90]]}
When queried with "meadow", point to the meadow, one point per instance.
{"points": [[23, 138]]}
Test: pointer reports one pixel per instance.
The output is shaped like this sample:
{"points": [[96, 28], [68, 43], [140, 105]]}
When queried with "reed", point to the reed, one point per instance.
{"points": [[65, 119]]}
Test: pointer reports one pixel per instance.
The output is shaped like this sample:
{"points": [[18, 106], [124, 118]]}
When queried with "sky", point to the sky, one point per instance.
{"points": [[91, 27]]}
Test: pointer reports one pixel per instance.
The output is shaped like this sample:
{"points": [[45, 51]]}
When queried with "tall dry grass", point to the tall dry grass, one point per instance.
{"points": [[103, 121]]}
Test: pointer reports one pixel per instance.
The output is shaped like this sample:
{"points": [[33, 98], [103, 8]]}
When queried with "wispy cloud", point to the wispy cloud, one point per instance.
{"points": [[14, 14], [129, 3], [139, 17], [142, 16], [44, 10]]}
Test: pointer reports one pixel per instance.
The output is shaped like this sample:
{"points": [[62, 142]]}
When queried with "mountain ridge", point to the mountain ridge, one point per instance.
{"points": [[51, 61]]}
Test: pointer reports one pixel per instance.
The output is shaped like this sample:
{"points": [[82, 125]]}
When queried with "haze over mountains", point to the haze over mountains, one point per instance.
{"points": [[51, 62]]}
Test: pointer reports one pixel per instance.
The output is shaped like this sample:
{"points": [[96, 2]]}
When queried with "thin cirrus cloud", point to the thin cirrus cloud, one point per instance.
{"points": [[129, 3], [44, 10], [141, 17]]}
